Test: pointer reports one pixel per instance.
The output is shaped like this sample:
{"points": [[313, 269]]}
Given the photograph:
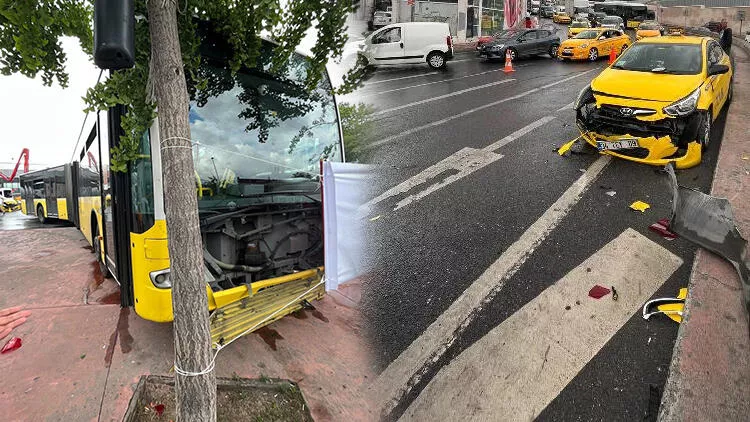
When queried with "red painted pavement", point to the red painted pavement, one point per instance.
{"points": [[81, 357]]}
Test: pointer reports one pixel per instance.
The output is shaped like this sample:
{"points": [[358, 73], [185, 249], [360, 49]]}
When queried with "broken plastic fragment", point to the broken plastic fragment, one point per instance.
{"points": [[597, 292], [566, 147], [709, 222], [157, 407], [640, 206], [11, 345], [611, 193], [375, 218], [669, 306], [662, 227]]}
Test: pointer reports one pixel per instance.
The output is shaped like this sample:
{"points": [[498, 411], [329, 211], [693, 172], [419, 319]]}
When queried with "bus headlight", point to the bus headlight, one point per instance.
{"points": [[161, 279]]}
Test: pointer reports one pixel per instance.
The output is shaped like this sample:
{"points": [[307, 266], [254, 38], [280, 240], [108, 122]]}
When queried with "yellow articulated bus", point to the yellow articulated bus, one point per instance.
{"points": [[258, 139]]}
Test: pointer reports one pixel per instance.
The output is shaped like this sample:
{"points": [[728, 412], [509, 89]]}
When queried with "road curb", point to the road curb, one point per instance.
{"points": [[709, 376]]}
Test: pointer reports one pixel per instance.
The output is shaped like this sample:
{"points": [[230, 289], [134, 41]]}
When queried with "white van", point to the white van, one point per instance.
{"points": [[409, 42]]}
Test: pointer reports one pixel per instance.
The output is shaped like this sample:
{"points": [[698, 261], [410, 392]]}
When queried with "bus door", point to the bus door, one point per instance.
{"points": [[108, 223], [50, 197]]}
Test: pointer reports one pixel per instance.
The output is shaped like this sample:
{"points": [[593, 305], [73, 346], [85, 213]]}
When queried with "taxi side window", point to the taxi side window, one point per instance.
{"points": [[715, 53]]}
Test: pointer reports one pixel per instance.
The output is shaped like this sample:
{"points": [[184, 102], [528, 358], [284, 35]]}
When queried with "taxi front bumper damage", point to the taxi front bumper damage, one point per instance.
{"points": [[660, 142]]}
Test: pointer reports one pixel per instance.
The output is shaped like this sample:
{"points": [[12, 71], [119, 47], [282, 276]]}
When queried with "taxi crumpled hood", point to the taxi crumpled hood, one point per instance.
{"points": [[645, 85]]}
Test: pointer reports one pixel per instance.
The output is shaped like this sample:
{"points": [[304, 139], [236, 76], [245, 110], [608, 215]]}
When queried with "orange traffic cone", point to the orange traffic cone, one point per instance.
{"points": [[612, 56], [508, 63]]}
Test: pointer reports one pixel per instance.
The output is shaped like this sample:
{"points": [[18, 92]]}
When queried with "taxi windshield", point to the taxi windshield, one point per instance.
{"points": [[676, 59], [587, 35]]}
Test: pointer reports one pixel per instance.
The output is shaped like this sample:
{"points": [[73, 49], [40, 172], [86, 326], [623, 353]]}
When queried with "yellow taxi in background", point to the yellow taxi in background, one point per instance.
{"points": [[590, 44], [649, 29], [576, 27], [561, 17], [656, 103]]}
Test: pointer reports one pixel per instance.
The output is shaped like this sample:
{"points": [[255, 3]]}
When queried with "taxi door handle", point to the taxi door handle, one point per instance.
{"points": [[401, 44]]}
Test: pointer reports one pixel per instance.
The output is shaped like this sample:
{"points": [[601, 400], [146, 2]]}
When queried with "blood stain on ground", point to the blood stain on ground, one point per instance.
{"points": [[110, 299], [269, 335], [317, 314]]}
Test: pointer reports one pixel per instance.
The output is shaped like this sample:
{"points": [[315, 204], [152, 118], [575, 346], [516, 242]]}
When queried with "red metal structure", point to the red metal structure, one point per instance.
{"points": [[25, 157]]}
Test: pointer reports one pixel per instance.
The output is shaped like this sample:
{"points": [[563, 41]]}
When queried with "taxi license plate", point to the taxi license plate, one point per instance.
{"points": [[621, 144]]}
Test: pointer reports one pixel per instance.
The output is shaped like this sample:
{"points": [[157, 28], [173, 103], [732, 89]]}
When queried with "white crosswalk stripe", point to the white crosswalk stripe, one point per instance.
{"points": [[519, 367]]}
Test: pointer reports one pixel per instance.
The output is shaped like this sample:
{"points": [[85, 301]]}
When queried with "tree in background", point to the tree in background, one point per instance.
{"points": [[357, 125], [167, 73]]}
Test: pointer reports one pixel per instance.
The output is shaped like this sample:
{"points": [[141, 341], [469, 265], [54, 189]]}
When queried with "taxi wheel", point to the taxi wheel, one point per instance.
{"points": [[553, 50], [593, 55], [704, 132]]}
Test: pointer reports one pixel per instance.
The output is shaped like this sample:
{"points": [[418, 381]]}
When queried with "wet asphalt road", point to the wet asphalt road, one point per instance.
{"points": [[18, 221], [424, 255]]}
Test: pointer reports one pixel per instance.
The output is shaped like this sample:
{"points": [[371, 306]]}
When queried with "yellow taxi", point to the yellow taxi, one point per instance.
{"points": [[656, 103], [576, 27], [648, 29], [590, 44], [561, 17]]}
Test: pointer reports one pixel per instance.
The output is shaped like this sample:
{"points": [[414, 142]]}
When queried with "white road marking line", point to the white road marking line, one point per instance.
{"points": [[465, 161], [440, 97], [467, 112], [368, 83], [519, 367], [519, 133], [370, 94], [406, 370], [567, 107]]}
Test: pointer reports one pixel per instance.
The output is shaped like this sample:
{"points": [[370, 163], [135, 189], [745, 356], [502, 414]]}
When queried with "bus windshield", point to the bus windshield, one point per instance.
{"points": [[254, 126]]}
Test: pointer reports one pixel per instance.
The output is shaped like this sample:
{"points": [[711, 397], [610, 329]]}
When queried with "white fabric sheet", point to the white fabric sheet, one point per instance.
{"points": [[343, 193]]}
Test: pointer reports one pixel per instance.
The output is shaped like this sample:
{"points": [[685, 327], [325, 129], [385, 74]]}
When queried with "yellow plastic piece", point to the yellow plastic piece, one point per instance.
{"points": [[640, 206], [671, 309], [566, 147]]}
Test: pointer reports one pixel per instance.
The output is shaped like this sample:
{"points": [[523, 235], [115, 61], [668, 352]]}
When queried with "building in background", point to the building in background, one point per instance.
{"points": [[465, 18]]}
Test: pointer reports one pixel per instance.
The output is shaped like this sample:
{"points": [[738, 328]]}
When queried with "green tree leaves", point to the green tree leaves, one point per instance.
{"points": [[30, 32]]}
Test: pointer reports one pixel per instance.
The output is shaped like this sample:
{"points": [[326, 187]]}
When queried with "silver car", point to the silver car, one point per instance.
{"points": [[613, 22]]}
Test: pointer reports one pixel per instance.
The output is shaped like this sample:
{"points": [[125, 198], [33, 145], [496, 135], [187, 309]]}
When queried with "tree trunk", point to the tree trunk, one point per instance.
{"points": [[196, 395]]}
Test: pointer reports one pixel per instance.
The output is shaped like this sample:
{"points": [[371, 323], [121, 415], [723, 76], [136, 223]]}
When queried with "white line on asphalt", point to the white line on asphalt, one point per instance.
{"points": [[465, 162], [566, 107], [519, 133], [406, 370], [428, 83], [467, 112], [368, 83], [440, 97], [519, 367]]}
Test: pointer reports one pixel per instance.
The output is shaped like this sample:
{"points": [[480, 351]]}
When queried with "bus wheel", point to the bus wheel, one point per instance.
{"points": [[98, 253], [40, 214]]}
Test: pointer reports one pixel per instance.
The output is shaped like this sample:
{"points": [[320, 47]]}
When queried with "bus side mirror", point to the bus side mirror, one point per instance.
{"points": [[114, 39]]}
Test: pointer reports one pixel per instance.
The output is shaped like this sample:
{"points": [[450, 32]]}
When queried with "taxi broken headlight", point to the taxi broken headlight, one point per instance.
{"points": [[684, 106], [582, 96]]}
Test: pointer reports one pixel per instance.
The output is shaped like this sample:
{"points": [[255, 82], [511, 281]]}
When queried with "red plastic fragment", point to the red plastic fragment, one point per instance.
{"points": [[598, 291], [11, 345], [158, 408], [662, 227]]}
